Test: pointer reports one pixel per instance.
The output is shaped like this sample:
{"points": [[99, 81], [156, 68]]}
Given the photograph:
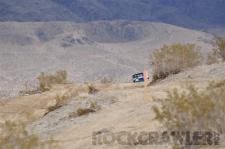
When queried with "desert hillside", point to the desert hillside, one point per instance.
{"points": [[112, 74], [87, 51], [113, 108]]}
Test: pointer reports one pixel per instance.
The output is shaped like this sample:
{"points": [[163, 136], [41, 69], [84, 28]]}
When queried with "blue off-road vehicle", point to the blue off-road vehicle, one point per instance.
{"points": [[139, 77]]}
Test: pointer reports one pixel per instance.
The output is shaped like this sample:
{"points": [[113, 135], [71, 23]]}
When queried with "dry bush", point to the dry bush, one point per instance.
{"points": [[59, 104], [217, 84], [15, 136], [60, 101], [194, 110], [92, 89], [174, 58], [219, 45], [46, 81], [92, 108], [85, 111]]}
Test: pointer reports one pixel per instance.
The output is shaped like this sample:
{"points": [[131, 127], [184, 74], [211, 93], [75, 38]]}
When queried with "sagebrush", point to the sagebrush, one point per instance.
{"points": [[194, 110], [93, 107], [15, 136], [60, 101], [171, 59], [46, 81], [92, 89]]}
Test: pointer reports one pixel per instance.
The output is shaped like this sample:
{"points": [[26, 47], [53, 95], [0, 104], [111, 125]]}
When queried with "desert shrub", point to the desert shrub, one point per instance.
{"points": [[93, 107], [15, 136], [92, 89], [218, 84], [59, 103], [84, 111], [174, 58], [194, 110], [219, 45], [46, 81]]}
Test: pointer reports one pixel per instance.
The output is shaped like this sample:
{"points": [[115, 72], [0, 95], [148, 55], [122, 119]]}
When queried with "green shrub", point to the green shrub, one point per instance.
{"points": [[46, 81], [194, 110], [174, 58], [15, 136]]}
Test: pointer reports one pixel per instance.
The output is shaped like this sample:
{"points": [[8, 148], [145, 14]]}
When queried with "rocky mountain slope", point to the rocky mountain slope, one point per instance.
{"points": [[188, 13], [34, 10]]}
